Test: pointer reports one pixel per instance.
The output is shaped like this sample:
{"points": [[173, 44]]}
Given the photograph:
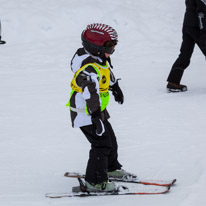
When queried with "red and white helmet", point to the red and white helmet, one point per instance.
{"points": [[95, 37]]}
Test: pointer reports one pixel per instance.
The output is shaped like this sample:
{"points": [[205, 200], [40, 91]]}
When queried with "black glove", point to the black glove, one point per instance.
{"points": [[98, 123], [202, 40], [117, 92]]}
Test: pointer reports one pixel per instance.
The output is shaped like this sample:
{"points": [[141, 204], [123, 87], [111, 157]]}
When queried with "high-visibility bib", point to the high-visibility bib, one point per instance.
{"points": [[103, 73]]}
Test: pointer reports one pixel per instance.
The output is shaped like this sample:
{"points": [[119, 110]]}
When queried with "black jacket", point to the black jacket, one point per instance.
{"points": [[84, 81], [193, 8]]}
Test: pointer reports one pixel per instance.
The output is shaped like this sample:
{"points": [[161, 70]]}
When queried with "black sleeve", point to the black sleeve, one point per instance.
{"points": [[112, 79], [88, 85]]}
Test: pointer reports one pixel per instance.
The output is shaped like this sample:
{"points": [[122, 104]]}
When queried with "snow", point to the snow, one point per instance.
{"points": [[160, 135]]}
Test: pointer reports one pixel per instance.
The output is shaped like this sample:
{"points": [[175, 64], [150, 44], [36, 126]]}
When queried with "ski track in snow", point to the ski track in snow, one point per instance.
{"points": [[160, 135]]}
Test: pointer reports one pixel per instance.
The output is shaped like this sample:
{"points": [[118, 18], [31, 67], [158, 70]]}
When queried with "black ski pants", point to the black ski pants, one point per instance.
{"points": [[103, 154], [190, 37]]}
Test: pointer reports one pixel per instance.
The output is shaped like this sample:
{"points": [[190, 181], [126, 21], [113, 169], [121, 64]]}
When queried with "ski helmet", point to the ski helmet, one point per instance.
{"points": [[99, 39]]}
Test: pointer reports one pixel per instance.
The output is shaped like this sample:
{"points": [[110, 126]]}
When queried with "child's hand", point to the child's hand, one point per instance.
{"points": [[117, 92], [98, 123]]}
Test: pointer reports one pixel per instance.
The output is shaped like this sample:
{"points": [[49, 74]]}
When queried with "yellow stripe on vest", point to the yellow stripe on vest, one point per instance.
{"points": [[103, 74]]}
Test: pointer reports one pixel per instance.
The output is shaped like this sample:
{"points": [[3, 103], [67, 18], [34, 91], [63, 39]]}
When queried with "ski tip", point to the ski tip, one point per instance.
{"points": [[66, 174], [173, 182], [52, 196], [73, 174], [167, 190]]}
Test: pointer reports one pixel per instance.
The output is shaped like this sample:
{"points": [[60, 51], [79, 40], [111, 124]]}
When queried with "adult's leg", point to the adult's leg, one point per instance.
{"points": [[186, 50]]}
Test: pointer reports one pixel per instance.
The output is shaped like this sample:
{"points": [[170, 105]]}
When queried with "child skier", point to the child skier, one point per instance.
{"points": [[193, 32], [89, 98]]}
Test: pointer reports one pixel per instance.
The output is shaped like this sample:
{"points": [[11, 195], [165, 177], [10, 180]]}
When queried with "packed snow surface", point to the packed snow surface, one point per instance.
{"points": [[160, 135]]}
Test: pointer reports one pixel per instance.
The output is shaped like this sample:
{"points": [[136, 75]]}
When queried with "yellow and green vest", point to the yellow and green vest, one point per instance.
{"points": [[103, 73]]}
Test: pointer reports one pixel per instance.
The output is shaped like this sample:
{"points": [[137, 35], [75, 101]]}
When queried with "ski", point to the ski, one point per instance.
{"points": [[154, 188], [129, 180], [156, 191]]}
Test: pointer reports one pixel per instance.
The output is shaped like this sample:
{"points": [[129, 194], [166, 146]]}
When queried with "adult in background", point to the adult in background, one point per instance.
{"points": [[193, 32]]}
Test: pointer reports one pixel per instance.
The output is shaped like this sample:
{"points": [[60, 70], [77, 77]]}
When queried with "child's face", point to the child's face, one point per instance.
{"points": [[107, 55]]}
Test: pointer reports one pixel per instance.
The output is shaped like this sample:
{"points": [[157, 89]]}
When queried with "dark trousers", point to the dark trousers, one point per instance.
{"points": [[103, 154], [190, 37]]}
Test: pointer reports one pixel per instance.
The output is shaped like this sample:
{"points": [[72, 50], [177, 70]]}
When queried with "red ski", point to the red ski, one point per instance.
{"points": [[130, 180], [81, 191], [89, 194]]}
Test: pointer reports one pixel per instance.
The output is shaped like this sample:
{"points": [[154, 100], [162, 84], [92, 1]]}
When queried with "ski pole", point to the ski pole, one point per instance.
{"points": [[1, 41]]}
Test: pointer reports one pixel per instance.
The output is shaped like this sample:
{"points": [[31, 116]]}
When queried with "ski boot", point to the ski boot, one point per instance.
{"points": [[121, 175], [105, 186]]}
